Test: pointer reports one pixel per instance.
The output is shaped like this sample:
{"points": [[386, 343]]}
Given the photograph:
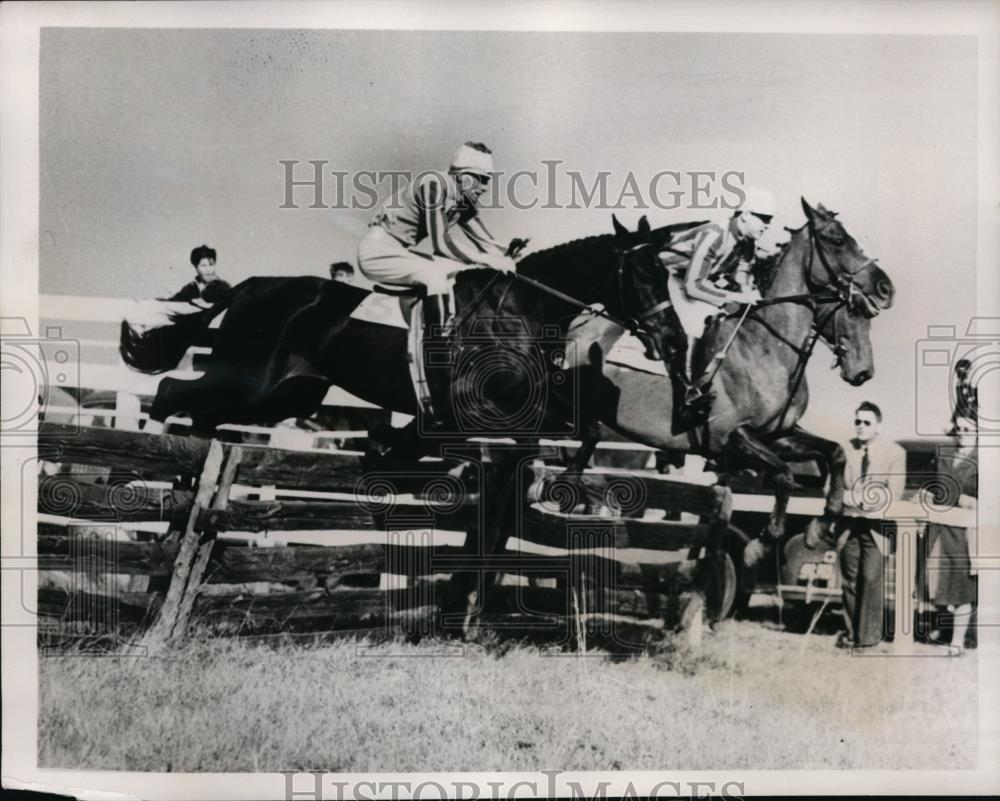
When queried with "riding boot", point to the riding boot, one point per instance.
{"points": [[436, 356], [691, 404], [652, 352]]}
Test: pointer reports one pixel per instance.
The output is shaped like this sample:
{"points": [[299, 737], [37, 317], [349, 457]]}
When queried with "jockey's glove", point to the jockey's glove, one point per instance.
{"points": [[517, 244], [749, 298], [504, 264]]}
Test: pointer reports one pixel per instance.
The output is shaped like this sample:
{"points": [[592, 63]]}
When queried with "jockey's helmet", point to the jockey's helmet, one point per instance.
{"points": [[473, 157], [759, 201]]}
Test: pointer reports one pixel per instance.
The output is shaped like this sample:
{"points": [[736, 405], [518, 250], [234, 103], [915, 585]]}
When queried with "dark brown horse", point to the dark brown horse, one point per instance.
{"points": [[284, 341]]}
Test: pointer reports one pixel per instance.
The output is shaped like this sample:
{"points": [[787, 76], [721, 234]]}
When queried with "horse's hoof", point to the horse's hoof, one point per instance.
{"points": [[557, 495], [536, 492], [754, 552], [819, 534]]}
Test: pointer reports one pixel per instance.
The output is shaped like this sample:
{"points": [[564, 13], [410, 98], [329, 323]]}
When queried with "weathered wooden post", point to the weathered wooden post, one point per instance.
{"points": [[172, 619]]}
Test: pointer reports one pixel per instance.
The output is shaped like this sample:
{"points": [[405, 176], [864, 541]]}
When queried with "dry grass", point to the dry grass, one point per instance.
{"points": [[752, 698]]}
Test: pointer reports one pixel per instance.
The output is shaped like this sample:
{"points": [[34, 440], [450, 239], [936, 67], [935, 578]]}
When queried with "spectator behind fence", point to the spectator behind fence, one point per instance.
{"points": [[874, 475], [342, 271], [966, 395], [207, 286], [953, 583]]}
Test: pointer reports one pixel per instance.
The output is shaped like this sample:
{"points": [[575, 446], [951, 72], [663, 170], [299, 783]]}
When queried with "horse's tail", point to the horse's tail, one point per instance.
{"points": [[155, 338]]}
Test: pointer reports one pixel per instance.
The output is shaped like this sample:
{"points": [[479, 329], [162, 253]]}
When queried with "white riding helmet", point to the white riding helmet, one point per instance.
{"points": [[759, 201], [469, 159]]}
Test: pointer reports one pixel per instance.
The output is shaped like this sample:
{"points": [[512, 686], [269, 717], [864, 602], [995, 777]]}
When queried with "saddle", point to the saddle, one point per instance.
{"points": [[391, 306], [402, 307]]}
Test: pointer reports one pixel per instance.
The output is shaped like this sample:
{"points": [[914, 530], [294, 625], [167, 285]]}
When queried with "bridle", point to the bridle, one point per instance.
{"points": [[846, 293], [634, 324]]}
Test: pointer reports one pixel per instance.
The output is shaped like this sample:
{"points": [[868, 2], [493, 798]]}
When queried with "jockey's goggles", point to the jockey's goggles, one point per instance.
{"points": [[483, 179]]}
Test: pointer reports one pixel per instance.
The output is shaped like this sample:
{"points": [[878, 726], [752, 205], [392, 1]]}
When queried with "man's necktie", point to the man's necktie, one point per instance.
{"points": [[865, 464]]}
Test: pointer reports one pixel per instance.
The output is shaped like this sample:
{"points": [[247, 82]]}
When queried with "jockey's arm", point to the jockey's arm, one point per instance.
{"points": [[493, 254], [477, 229], [696, 283], [432, 199]]}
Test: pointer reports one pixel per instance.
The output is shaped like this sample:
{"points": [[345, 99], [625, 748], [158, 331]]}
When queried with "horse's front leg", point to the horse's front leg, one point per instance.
{"points": [[165, 403], [173, 395], [745, 449], [801, 446], [590, 437], [567, 489]]}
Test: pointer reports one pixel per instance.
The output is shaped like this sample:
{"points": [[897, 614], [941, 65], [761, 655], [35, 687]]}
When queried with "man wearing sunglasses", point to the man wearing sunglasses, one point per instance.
{"points": [[429, 230], [874, 476]]}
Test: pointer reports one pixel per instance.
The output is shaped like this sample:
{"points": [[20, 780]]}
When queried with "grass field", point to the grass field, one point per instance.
{"points": [[753, 697]]}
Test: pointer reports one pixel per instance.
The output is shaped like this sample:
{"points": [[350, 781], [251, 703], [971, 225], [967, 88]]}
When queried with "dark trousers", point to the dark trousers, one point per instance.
{"points": [[863, 568]]}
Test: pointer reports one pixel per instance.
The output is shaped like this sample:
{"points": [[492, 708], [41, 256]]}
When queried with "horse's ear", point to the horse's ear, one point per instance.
{"points": [[644, 228], [620, 229], [809, 210]]}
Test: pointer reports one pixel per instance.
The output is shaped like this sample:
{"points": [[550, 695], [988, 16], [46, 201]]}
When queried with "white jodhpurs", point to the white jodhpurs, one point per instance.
{"points": [[382, 259]]}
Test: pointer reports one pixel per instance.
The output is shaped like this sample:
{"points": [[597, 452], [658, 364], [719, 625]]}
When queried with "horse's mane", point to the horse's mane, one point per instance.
{"points": [[580, 263], [530, 262], [586, 261]]}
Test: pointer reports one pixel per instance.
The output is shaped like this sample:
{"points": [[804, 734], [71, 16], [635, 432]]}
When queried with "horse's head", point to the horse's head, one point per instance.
{"points": [[839, 264], [642, 281], [855, 289]]}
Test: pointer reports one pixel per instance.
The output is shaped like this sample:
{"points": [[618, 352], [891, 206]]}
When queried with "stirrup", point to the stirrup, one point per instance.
{"points": [[693, 395]]}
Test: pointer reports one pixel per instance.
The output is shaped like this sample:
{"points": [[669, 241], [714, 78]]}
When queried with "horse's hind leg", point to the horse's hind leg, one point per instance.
{"points": [[399, 444], [502, 502], [197, 397], [170, 399]]}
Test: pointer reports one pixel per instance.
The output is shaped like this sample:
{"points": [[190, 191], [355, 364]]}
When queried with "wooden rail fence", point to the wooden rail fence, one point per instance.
{"points": [[396, 538]]}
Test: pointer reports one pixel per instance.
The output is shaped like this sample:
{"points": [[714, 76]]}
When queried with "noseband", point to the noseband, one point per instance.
{"points": [[847, 291]]}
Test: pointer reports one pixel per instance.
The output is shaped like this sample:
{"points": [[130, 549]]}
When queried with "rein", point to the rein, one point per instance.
{"points": [[631, 324], [844, 296]]}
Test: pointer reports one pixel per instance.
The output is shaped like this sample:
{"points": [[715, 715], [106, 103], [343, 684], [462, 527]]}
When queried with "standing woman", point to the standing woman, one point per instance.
{"points": [[957, 586]]}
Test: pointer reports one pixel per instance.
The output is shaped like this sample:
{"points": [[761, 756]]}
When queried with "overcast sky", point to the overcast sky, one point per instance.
{"points": [[154, 141]]}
